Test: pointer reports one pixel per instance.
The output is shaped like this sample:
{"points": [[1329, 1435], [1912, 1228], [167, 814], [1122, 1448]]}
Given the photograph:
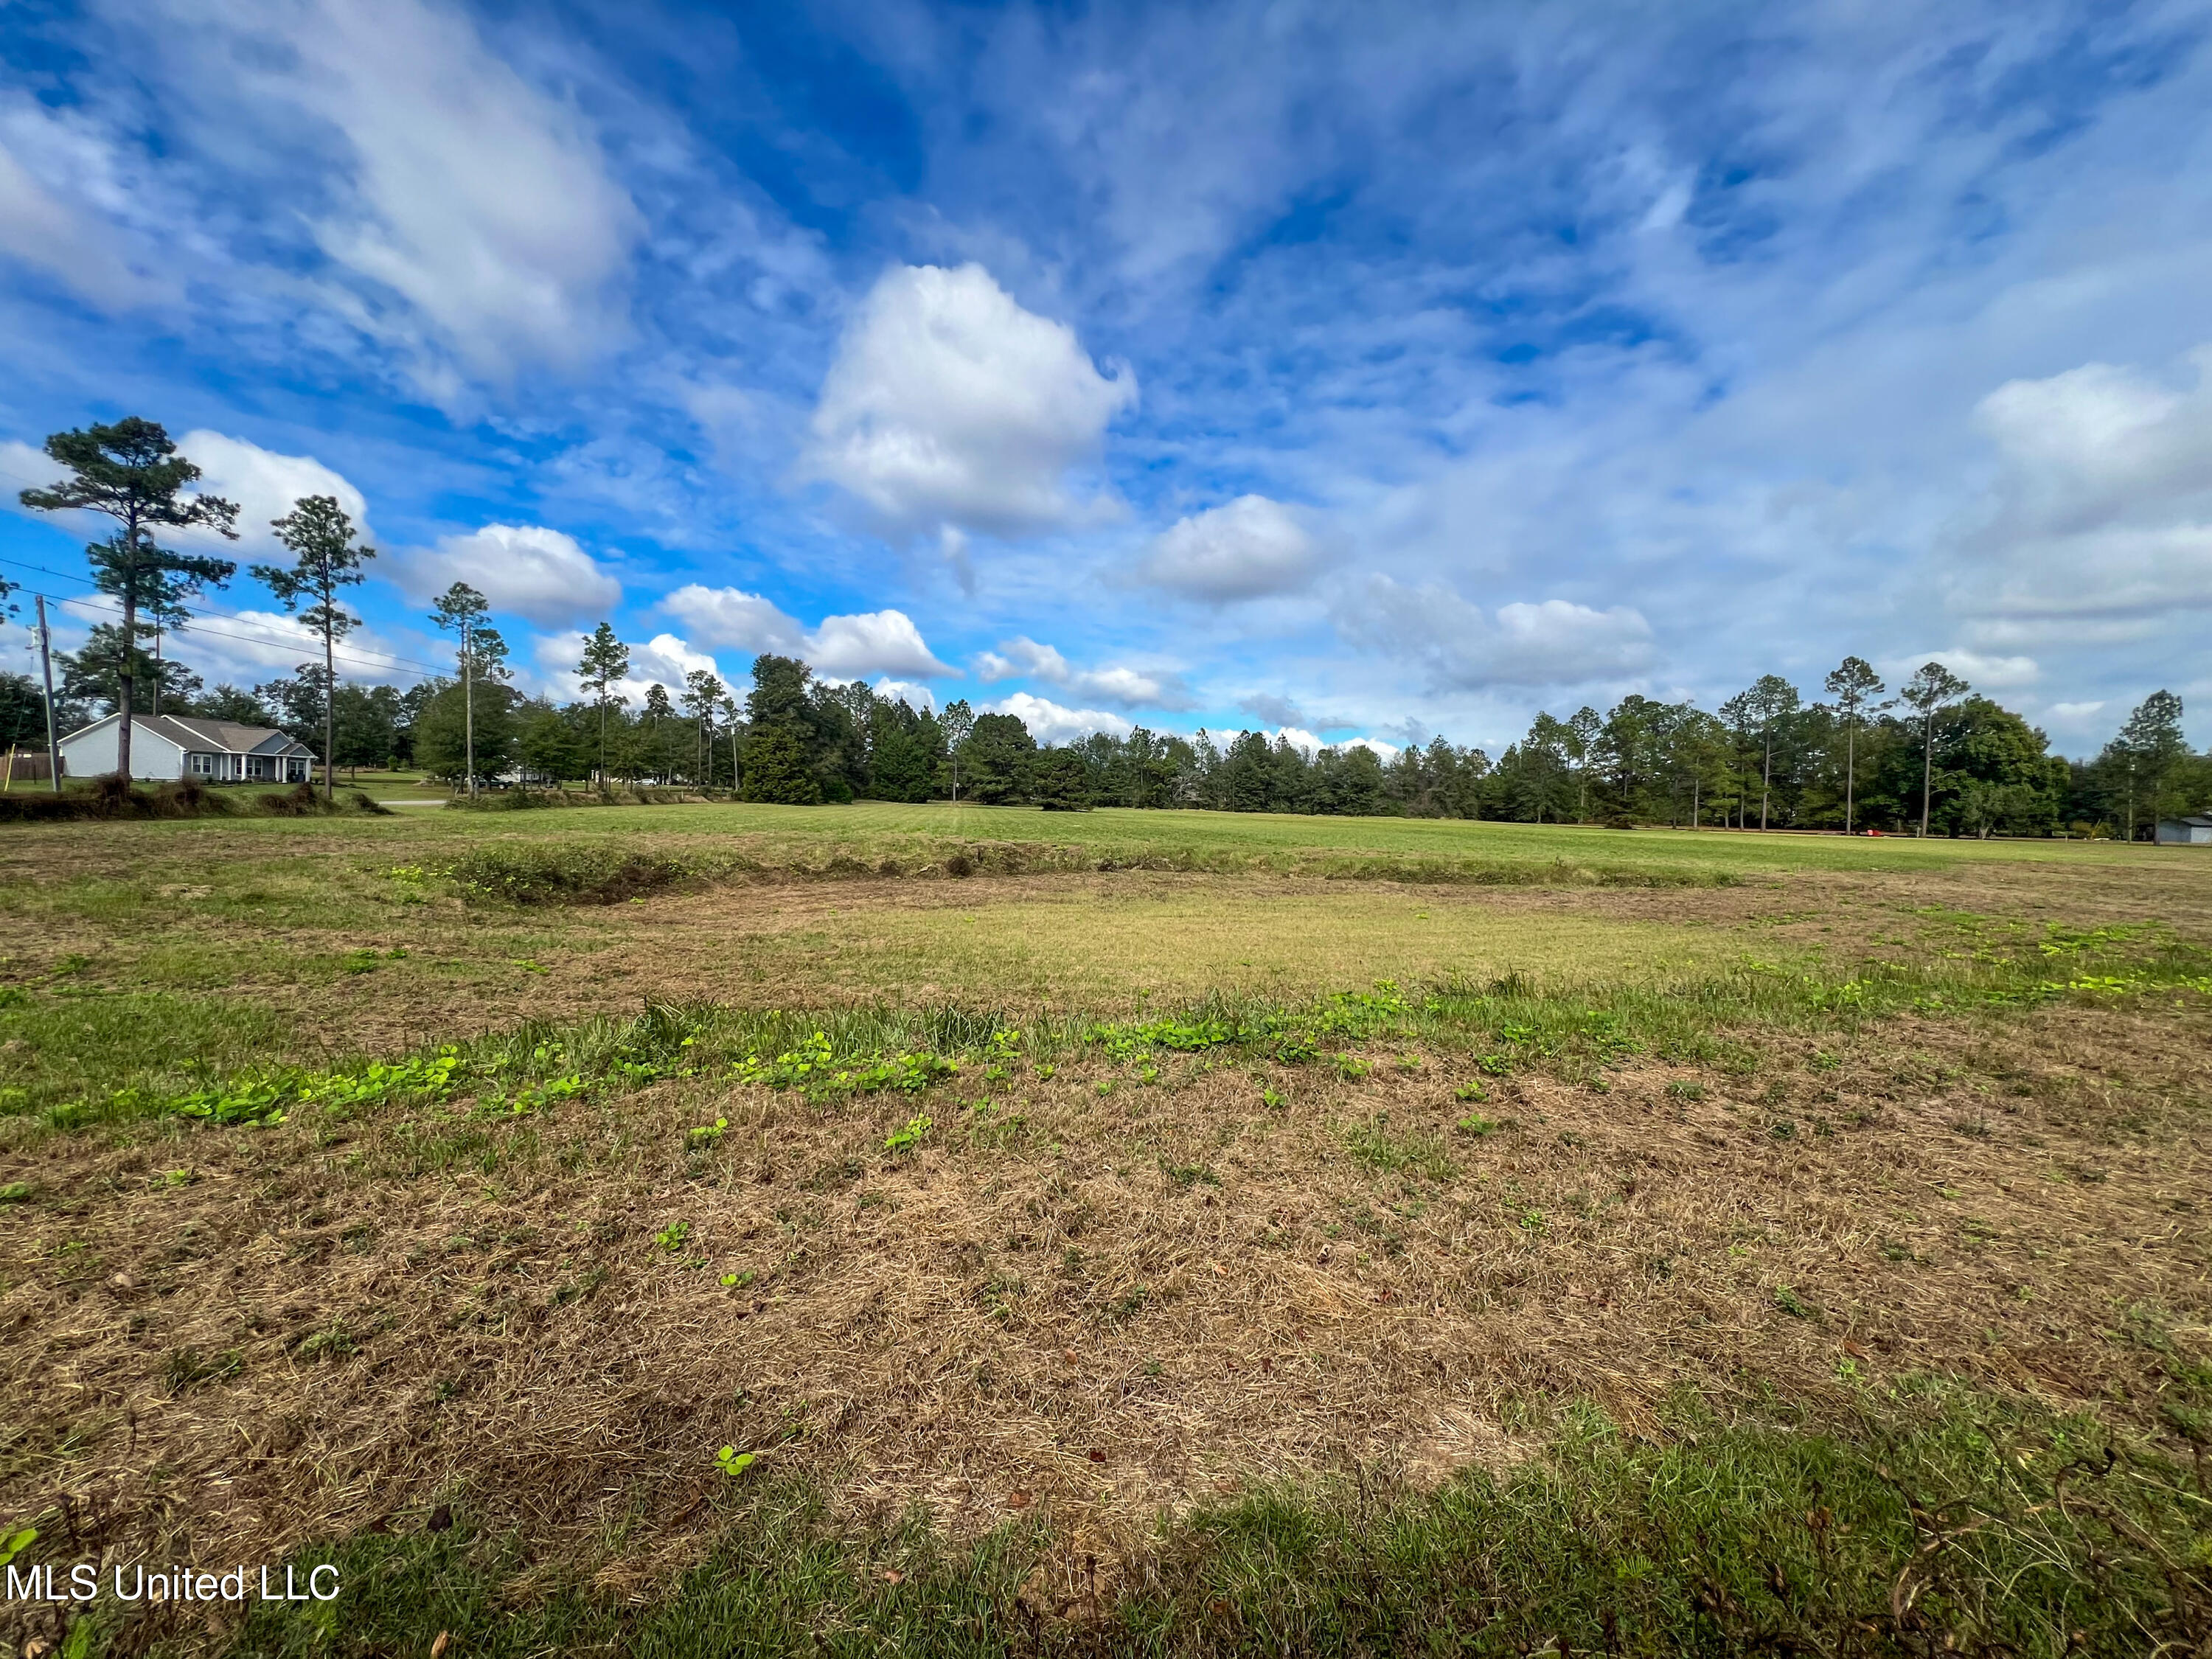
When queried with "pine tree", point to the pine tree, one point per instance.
{"points": [[461, 609], [703, 693], [2146, 751], [1854, 685], [605, 661], [1933, 688], [1063, 781], [320, 538], [776, 769], [132, 472]]}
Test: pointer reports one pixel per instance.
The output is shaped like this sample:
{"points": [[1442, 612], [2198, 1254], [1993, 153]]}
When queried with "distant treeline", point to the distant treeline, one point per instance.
{"points": [[1769, 758]]}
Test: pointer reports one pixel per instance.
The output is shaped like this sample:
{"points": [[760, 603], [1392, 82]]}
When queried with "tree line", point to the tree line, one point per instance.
{"points": [[1931, 756]]}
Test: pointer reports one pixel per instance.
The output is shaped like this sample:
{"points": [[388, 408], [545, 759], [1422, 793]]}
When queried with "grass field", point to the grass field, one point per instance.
{"points": [[1180, 1233]]}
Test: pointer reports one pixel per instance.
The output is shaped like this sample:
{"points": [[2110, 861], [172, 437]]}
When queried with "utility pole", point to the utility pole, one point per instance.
{"points": [[469, 703], [157, 671], [47, 669]]}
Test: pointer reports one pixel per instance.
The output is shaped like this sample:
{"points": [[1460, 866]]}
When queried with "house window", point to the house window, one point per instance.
{"points": [[204, 766]]}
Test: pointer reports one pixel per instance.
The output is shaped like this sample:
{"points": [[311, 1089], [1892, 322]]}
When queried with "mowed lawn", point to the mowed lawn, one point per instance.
{"points": [[145, 950], [1187, 1233]]}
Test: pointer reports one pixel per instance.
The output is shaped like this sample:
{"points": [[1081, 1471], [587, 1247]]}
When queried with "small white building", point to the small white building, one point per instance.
{"points": [[167, 748], [2195, 831]]}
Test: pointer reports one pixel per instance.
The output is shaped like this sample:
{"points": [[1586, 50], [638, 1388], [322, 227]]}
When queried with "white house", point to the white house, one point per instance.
{"points": [[2196, 830], [171, 747]]}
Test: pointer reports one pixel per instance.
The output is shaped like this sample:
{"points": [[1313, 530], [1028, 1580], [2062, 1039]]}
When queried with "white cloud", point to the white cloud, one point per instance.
{"points": [[470, 218], [485, 203], [914, 695], [524, 570], [23, 466], [731, 617], [1554, 643], [48, 167], [1048, 722], [1387, 751], [1311, 744], [1124, 688], [663, 660], [265, 485], [844, 648], [1243, 549], [872, 643], [1979, 670], [949, 404], [2102, 505]]}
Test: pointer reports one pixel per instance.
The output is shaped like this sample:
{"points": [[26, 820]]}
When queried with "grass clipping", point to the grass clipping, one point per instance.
{"points": [[561, 870]]}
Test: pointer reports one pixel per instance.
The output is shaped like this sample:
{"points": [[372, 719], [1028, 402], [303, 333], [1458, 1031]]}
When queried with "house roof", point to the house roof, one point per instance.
{"points": [[190, 732], [2194, 820]]}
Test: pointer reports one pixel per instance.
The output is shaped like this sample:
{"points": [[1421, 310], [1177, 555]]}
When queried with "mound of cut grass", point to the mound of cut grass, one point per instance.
{"points": [[109, 799], [569, 872]]}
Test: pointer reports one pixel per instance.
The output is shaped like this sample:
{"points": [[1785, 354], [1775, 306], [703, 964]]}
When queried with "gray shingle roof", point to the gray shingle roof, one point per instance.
{"points": [[189, 732]]}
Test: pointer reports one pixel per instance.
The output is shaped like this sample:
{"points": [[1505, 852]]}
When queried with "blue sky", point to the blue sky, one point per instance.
{"points": [[1368, 372]]}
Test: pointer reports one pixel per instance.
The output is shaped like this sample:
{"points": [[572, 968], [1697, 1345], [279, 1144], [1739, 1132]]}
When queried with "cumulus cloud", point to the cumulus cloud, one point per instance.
{"points": [[872, 643], [1387, 751], [1246, 548], [2102, 504], [950, 405], [526, 570], [731, 617], [665, 660], [914, 696], [1050, 722], [1553, 642], [847, 648], [265, 485], [24, 465], [1124, 688]]}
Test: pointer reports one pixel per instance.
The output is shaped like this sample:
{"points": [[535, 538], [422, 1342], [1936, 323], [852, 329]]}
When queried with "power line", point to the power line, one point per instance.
{"points": [[372, 660]]}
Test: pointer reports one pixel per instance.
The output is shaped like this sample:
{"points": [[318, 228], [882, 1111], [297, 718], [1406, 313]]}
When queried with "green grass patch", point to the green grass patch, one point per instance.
{"points": [[1375, 1144], [92, 1056], [66, 1052]]}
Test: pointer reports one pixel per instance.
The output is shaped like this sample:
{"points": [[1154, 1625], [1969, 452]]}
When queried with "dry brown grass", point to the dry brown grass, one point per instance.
{"points": [[964, 1325]]}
